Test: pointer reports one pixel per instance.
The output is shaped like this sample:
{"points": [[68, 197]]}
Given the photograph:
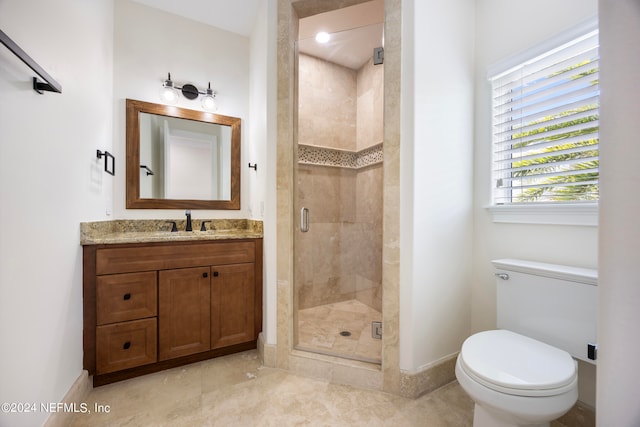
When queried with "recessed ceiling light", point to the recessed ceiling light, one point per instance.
{"points": [[322, 37]]}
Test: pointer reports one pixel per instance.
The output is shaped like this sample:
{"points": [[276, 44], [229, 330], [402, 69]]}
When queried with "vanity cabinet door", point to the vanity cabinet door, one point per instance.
{"points": [[232, 304], [184, 312]]}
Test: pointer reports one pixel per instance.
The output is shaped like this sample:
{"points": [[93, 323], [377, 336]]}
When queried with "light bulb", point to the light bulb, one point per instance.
{"points": [[168, 93], [209, 101], [209, 104], [323, 37]]}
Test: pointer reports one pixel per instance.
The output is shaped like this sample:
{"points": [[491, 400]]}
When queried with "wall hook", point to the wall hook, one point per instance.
{"points": [[253, 166], [108, 155], [146, 168]]}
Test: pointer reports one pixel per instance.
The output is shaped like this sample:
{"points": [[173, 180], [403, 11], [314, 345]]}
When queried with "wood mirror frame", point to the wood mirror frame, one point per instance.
{"points": [[134, 201]]}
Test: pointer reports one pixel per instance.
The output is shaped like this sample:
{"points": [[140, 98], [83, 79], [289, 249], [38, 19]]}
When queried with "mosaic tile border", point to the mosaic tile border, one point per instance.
{"points": [[322, 156]]}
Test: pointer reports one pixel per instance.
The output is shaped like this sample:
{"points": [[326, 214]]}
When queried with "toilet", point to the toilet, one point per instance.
{"points": [[525, 373]]}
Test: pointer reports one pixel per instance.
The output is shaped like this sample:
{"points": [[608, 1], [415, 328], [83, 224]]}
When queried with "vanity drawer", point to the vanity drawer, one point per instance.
{"points": [[170, 256], [126, 345], [122, 297]]}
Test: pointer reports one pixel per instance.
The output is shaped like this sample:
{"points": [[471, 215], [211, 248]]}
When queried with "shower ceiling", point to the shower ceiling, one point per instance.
{"points": [[350, 48], [355, 32]]}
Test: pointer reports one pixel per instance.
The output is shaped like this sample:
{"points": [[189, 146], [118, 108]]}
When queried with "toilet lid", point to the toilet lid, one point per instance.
{"points": [[502, 359]]}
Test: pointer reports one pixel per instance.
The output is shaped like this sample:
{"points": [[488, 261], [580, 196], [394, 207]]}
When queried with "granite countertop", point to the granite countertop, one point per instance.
{"points": [[159, 230]]}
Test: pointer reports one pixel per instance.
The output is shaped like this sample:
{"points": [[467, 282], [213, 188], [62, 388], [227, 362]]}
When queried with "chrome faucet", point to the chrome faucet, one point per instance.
{"points": [[188, 214]]}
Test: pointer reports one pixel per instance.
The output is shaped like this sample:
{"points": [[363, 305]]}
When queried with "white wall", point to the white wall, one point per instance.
{"points": [[50, 181], [262, 183], [618, 401], [149, 43], [498, 36], [437, 127]]}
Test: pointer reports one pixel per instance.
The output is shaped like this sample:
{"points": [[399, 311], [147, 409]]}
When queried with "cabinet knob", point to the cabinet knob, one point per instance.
{"points": [[126, 345], [205, 274], [215, 274], [126, 296]]}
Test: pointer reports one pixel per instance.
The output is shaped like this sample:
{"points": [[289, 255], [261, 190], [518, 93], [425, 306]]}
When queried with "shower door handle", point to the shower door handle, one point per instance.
{"points": [[304, 220]]}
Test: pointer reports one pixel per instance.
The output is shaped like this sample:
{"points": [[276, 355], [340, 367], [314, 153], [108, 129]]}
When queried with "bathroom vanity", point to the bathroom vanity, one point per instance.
{"points": [[156, 300]]}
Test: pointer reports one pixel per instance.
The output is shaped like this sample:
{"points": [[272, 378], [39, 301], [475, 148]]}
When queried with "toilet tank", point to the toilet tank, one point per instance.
{"points": [[555, 304]]}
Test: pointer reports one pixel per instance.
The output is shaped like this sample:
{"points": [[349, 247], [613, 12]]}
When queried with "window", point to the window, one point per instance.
{"points": [[545, 127]]}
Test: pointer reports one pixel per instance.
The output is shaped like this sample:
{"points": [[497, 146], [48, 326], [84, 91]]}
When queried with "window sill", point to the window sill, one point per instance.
{"points": [[570, 214]]}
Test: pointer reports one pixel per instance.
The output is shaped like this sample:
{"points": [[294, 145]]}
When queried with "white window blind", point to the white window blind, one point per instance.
{"points": [[545, 127]]}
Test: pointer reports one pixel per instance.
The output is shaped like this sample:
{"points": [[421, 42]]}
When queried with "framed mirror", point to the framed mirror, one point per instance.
{"points": [[181, 159]]}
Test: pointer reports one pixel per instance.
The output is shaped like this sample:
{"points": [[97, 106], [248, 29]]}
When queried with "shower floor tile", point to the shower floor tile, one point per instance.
{"points": [[319, 330]]}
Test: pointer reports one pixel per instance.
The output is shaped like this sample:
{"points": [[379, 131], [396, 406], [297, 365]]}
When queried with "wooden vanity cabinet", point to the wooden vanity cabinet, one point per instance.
{"points": [[154, 306]]}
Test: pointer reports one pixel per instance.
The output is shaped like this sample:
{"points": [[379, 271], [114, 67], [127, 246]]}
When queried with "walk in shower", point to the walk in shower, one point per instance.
{"points": [[338, 176]]}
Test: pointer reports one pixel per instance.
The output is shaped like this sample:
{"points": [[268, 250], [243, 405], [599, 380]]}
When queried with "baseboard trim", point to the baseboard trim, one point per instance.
{"points": [[267, 352], [77, 394], [414, 385]]}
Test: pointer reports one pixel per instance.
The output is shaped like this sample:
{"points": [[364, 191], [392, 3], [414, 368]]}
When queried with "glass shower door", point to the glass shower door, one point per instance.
{"points": [[338, 240]]}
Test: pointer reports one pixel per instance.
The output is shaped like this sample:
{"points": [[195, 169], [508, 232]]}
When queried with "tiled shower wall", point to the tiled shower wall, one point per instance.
{"points": [[340, 182]]}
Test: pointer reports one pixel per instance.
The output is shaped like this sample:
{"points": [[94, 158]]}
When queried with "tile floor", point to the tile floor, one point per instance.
{"points": [[237, 391], [319, 330]]}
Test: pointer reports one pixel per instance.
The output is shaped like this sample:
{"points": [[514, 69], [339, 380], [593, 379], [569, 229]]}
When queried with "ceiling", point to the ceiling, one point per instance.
{"points": [[237, 16], [355, 30]]}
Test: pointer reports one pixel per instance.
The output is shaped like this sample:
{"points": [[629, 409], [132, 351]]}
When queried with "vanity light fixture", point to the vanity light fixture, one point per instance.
{"points": [[169, 94]]}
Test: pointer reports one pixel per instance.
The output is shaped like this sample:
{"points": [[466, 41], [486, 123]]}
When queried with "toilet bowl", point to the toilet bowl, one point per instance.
{"points": [[525, 372], [515, 380]]}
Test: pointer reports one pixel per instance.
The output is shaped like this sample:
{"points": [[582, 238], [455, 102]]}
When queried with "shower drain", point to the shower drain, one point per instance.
{"points": [[345, 333]]}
